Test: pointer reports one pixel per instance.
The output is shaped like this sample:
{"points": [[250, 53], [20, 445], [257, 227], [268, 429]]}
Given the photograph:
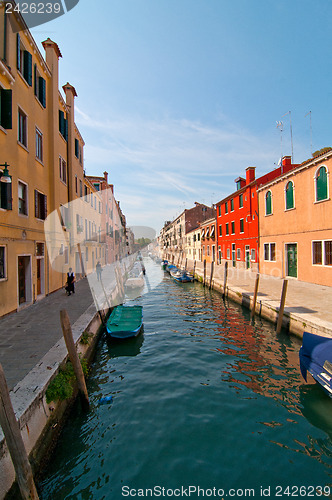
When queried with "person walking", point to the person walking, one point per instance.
{"points": [[70, 285], [98, 270]]}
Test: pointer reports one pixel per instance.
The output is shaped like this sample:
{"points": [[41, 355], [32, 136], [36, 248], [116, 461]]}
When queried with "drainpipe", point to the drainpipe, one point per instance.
{"points": [[5, 36]]}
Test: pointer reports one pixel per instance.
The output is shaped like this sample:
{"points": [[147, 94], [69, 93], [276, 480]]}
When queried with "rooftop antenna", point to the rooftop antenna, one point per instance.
{"points": [[291, 131], [310, 131], [280, 125]]}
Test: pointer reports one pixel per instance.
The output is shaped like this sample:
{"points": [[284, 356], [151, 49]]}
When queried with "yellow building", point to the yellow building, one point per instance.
{"points": [[41, 155], [295, 230]]}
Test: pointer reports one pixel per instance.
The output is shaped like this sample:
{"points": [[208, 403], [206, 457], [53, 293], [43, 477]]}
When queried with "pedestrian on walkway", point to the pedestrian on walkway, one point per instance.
{"points": [[98, 270], [70, 285]]}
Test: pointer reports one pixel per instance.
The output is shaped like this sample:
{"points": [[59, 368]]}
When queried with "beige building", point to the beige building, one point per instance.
{"points": [[295, 223], [41, 158], [193, 245]]}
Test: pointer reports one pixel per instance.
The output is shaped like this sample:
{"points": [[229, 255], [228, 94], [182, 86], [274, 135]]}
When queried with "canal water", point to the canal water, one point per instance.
{"points": [[202, 399]]}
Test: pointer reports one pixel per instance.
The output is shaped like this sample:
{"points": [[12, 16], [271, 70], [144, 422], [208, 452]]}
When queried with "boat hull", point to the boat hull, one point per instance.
{"points": [[316, 358]]}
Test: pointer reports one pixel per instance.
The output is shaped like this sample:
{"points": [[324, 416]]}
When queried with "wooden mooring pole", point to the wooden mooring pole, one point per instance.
{"points": [[185, 265], [75, 360], [194, 269], [225, 279], [14, 440], [204, 274], [211, 274], [282, 306], [253, 309]]}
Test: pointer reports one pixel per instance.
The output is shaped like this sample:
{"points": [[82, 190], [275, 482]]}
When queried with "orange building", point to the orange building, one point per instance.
{"points": [[208, 240], [295, 214]]}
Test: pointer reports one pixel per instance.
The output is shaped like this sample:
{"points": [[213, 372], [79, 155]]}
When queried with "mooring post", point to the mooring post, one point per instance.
{"points": [[194, 269], [204, 273], [75, 360], [211, 274], [253, 309], [282, 305], [81, 258], [225, 279], [14, 440], [173, 259], [185, 265]]}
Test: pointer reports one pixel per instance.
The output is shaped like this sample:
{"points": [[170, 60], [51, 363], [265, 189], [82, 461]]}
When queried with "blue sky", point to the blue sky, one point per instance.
{"points": [[176, 97]]}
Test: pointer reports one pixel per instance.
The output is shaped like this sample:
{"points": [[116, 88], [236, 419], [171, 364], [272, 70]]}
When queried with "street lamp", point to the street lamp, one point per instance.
{"points": [[5, 177]]}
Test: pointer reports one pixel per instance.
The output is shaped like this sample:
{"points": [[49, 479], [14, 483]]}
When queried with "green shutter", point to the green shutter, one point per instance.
{"points": [[289, 196], [268, 203], [61, 122], [321, 184], [27, 70], [18, 52], [42, 91], [35, 78], [76, 148], [6, 196], [65, 135], [6, 108]]}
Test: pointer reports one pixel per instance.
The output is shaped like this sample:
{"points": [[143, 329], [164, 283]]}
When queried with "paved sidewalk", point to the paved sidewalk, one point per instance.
{"points": [[307, 302], [26, 336]]}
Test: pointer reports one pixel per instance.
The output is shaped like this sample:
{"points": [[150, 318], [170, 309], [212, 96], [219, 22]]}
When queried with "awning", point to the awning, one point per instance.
{"points": [[207, 232], [203, 232], [212, 231]]}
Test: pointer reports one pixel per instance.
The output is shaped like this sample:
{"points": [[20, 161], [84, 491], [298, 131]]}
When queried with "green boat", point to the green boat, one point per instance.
{"points": [[125, 322]]}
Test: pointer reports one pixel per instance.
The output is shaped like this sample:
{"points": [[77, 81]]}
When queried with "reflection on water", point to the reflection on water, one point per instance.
{"points": [[202, 397]]}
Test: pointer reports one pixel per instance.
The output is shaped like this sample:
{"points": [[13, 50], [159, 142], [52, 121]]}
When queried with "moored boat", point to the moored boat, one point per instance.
{"points": [[125, 322], [181, 276], [316, 358]]}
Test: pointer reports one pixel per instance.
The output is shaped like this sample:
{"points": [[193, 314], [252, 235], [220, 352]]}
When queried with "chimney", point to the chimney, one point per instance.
{"points": [[106, 177], [286, 161], [250, 174]]}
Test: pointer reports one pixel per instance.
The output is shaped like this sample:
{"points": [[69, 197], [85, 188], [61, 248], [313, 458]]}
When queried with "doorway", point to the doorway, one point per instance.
{"points": [[24, 280], [291, 260]]}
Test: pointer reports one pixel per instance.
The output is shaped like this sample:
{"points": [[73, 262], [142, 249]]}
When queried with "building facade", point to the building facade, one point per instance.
{"points": [[295, 213], [208, 240]]}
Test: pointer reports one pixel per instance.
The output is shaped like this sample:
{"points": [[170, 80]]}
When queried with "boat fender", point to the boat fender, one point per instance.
{"points": [[105, 400]]}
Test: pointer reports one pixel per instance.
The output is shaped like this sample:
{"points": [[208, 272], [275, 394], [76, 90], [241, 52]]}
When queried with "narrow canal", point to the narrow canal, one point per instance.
{"points": [[203, 399]]}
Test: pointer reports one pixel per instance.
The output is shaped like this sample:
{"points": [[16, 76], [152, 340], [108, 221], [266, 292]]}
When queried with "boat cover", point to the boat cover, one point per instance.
{"points": [[316, 358]]}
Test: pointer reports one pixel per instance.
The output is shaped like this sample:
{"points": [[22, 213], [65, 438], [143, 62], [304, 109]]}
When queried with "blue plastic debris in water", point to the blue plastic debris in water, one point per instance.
{"points": [[105, 400]]}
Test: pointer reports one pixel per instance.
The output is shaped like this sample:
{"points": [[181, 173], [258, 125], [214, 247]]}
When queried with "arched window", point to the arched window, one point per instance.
{"points": [[321, 184], [268, 203], [289, 193]]}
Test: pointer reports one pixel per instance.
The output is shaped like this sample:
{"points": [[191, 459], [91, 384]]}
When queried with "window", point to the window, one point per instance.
{"points": [[289, 193], [76, 184], [39, 145], [226, 207], [322, 253], [22, 198], [40, 205], [39, 87], [253, 254], [219, 210], [3, 262], [63, 169], [81, 189], [220, 230], [270, 251], [321, 184], [232, 205], [24, 61], [228, 253], [22, 128], [5, 108], [77, 148], [40, 249], [241, 201], [233, 227], [238, 252], [63, 125], [227, 228], [268, 203], [97, 186], [241, 225]]}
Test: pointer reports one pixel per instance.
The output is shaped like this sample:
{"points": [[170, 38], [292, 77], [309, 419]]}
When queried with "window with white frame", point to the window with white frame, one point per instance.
{"points": [[268, 203], [322, 253], [270, 251], [39, 145], [63, 169], [321, 181], [228, 253], [253, 255], [238, 253], [40, 205], [3, 270], [22, 198]]}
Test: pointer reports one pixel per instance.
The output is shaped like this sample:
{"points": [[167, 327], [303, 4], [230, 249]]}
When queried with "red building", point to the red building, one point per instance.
{"points": [[237, 219]]}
